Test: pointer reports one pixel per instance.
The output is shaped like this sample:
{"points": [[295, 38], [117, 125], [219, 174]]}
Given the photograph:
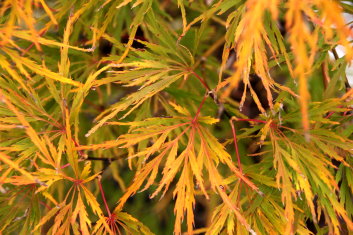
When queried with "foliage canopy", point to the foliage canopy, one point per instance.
{"points": [[112, 110]]}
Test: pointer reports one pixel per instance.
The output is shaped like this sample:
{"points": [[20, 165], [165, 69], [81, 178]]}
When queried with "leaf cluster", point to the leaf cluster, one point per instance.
{"points": [[236, 105]]}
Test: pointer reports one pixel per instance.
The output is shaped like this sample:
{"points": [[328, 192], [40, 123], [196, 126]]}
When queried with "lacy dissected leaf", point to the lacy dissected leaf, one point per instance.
{"points": [[153, 76], [265, 214], [251, 38], [151, 70], [20, 209], [304, 170], [121, 219], [301, 38], [253, 34], [180, 144], [70, 212]]}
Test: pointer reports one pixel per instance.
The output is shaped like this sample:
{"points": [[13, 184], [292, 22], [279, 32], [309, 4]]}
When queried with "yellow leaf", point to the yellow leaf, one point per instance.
{"points": [[40, 70], [48, 11], [80, 210], [6, 159], [180, 109], [48, 216]]}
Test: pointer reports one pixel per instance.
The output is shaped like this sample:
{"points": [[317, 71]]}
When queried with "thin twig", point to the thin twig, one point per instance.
{"points": [[236, 145], [103, 196], [199, 109], [210, 93]]}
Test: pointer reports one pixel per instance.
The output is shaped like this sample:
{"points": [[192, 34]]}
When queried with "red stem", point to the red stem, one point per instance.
{"points": [[236, 146], [64, 166], [68, 164], [42, 203], [199, 109], [200, 79], [80, 152], [30, 46], [332, 112], [105, 201]]}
